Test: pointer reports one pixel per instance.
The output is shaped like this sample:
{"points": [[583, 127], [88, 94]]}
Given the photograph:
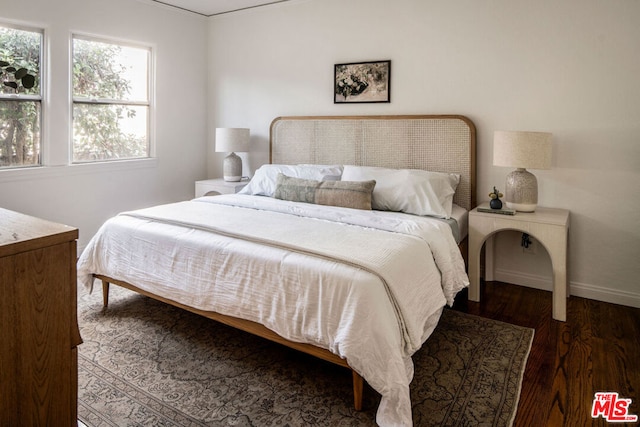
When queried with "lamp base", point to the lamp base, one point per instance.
{"points": [[232, 168], [521, 192]]}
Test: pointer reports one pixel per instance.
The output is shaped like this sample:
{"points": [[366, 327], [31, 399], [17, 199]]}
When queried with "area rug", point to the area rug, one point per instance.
{"points": [[145, 363]]}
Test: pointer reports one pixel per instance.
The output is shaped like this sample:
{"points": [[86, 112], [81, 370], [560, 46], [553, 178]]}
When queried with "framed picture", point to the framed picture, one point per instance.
{"points": [[362, 82]]}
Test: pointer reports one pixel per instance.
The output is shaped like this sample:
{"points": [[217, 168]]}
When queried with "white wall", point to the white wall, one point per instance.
{"points": [[568, 67], [85, 196]]}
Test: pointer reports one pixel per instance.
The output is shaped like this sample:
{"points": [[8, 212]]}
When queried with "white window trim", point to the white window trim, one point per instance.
{"points": [[43, 172], [150, 103], [42, 98]]}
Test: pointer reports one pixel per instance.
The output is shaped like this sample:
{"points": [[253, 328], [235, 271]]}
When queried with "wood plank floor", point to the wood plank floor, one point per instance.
{"points": [[596, 350]]}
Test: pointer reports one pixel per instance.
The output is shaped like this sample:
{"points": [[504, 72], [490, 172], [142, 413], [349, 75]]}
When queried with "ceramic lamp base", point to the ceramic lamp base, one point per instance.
{"points": [[521, 192], [232, 168]]}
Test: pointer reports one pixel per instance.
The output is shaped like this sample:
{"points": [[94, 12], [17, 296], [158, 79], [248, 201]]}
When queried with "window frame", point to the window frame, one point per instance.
{"points": [[78, 100], [39, 98]]}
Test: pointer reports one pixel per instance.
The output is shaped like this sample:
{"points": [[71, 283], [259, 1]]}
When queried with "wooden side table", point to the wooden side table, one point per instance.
{"points": [[549, 226], [211, 187]]}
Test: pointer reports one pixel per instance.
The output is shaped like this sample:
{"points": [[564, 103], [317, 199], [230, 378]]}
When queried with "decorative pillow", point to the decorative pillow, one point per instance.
{"points": [[411, 191], [263, 182], [346, 194]]}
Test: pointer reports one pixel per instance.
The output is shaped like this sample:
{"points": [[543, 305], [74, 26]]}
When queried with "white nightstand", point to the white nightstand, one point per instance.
{"points": [[549, 226], [212, 187]]}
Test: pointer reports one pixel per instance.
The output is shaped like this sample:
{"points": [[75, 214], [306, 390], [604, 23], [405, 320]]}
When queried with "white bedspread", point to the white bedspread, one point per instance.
{"points": [[369, 286]]}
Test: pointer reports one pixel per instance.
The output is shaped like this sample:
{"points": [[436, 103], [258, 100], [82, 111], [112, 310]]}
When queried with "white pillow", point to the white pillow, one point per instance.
{"points": [[264, 180], [411, 191]]}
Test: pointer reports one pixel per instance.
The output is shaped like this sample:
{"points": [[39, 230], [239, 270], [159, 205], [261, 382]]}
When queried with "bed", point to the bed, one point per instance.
{"points": [[308, 280]]}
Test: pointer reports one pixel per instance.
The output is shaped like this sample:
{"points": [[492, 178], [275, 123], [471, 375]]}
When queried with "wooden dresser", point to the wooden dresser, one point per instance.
{"points": [[38, 322]]}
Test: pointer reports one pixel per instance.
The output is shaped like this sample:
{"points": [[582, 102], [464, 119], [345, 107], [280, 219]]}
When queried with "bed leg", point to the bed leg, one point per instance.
{"points": [[105, 293], [358, 385]]}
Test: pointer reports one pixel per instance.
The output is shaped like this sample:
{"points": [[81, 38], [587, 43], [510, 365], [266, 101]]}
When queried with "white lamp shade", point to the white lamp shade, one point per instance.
{"points": [[528, 150], [232, 140]]}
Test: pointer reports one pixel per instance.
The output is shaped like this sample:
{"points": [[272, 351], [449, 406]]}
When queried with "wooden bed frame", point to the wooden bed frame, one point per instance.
{"points": [[441, 143]]}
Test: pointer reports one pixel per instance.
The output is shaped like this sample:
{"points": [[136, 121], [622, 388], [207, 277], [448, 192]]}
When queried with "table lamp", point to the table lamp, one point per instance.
{"points": [[230, 140], [522, 150]]}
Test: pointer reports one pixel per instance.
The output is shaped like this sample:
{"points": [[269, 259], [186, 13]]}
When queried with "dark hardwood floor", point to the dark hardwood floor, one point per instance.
{"points": [[596, 350]]}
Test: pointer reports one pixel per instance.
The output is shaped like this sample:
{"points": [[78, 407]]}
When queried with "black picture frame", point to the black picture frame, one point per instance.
{"points": [[362, 82]]}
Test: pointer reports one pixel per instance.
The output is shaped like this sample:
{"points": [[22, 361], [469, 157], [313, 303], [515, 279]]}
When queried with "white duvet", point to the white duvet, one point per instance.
{"points": [[369, 286]]}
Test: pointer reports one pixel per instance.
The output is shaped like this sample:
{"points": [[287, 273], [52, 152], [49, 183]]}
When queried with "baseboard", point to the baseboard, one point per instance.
{"points": [[583, 290], [599, 293], [518, 278]]}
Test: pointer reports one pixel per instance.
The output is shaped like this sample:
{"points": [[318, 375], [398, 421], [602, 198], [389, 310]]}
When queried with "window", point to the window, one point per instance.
{"points": [[20, 97], [111, 87]]}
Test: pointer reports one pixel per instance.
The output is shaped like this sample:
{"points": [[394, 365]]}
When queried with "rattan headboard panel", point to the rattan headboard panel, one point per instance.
{"points": [[435, 143]]}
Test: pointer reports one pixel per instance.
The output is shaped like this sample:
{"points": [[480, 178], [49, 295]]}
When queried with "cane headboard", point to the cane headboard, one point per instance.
{"points": [[442, 143]]}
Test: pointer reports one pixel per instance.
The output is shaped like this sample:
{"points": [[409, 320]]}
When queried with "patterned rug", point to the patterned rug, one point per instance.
{"points": [[145, 363]]}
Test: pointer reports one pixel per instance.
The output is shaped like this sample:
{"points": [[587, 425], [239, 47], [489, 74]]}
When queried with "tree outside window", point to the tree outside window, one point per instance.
{"points": [[20, 97], [110, 101]]}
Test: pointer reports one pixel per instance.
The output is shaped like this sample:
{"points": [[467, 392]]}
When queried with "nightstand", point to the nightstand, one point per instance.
{"points": [[549, 226], [212, 187]]}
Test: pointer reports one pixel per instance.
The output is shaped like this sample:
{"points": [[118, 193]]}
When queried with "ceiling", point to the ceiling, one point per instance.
{"points": [[215, 7]]}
